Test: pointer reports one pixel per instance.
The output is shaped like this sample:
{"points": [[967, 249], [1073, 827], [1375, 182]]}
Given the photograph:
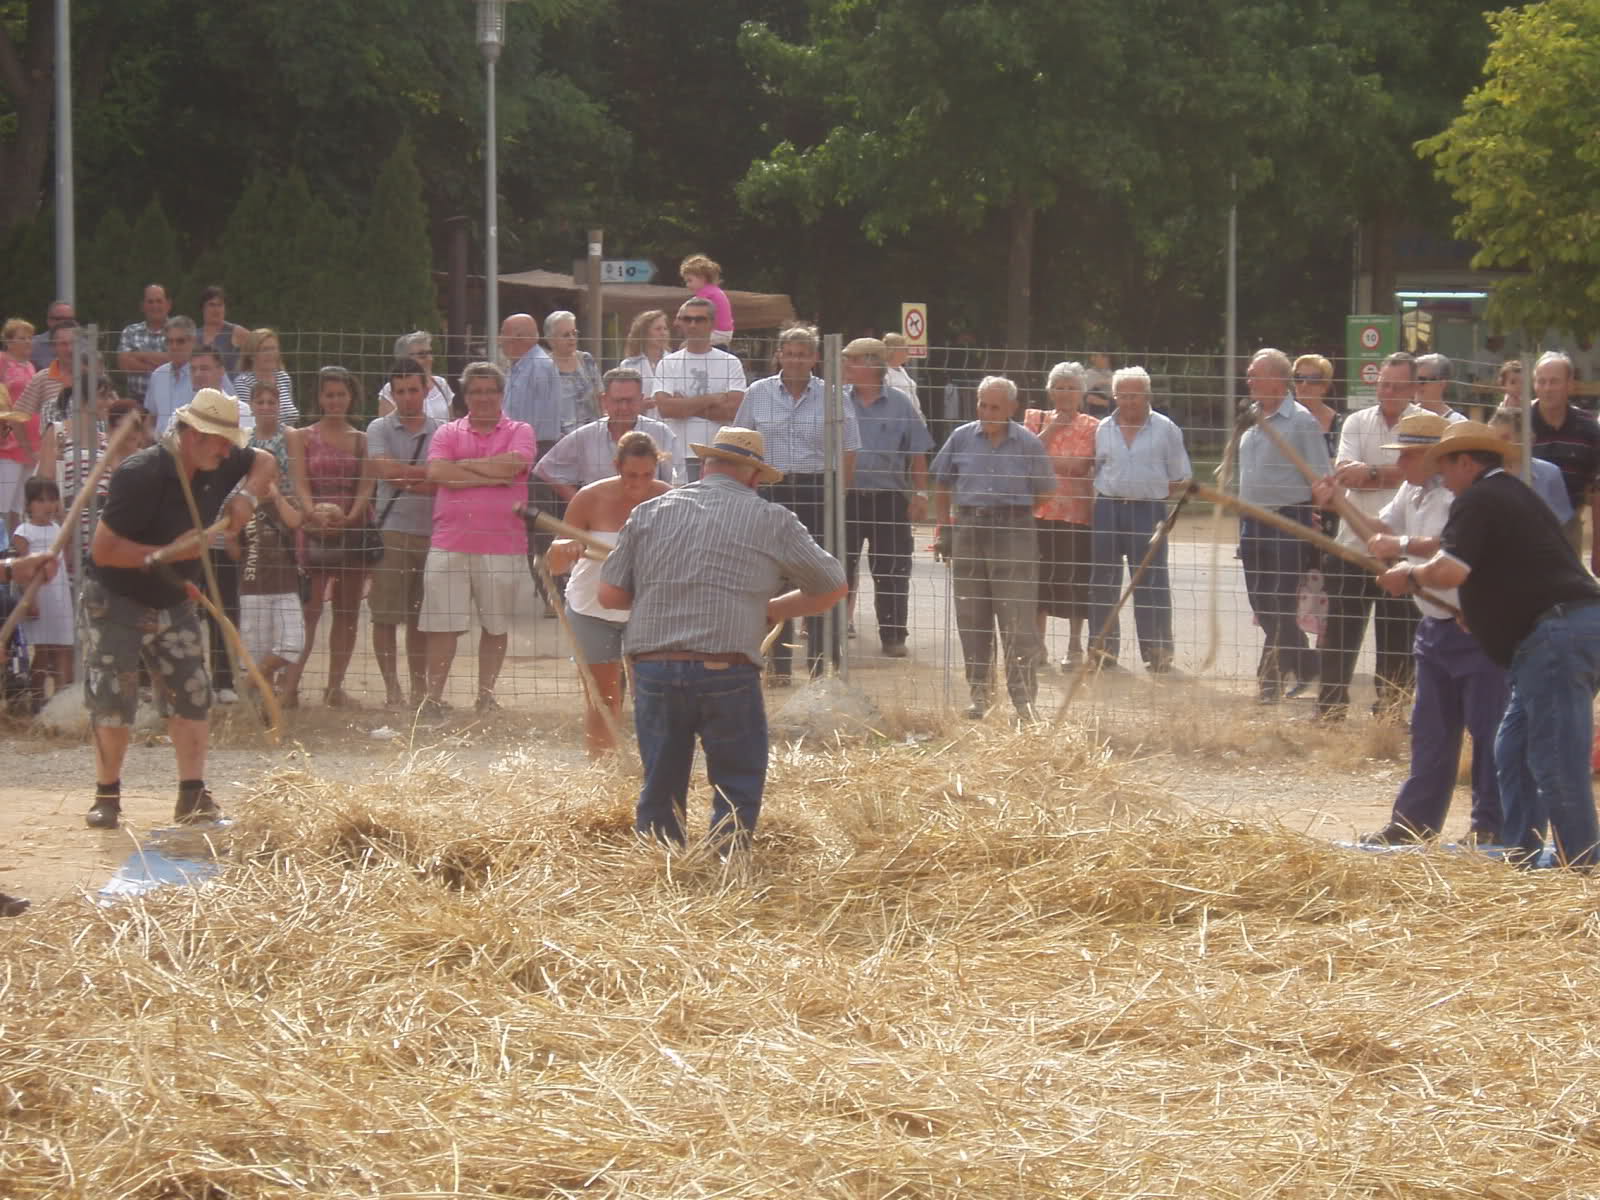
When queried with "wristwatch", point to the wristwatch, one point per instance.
{"points": [[1372, 474], [1405, 545]]}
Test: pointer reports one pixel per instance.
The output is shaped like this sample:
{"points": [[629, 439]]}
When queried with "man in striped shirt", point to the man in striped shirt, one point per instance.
{"points": [[701, 568]]}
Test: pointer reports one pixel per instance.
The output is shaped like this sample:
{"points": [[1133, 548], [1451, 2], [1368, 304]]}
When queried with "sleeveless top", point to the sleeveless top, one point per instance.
{"points": [[331, 472], [584, 585]]}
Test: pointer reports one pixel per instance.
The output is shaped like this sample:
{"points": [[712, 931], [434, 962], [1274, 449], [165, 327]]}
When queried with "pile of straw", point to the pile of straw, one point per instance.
{"points": [[981, 969]]}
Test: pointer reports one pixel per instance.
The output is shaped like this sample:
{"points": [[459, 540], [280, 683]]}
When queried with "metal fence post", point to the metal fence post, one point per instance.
{"points": [[833, 538]]}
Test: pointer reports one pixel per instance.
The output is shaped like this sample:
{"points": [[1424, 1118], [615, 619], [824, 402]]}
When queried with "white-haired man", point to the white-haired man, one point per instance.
{"points": [[1273, 560], [987, 478], [1570, 438], [418, 347], [1139, 461]]}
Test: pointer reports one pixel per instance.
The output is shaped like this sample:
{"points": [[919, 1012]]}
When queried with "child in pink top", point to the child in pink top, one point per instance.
{"points": [[702, 277]]}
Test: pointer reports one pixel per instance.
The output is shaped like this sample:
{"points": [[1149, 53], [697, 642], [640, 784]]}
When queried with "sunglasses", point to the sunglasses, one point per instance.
{"points": [[1308, 379], [1429, 379]]}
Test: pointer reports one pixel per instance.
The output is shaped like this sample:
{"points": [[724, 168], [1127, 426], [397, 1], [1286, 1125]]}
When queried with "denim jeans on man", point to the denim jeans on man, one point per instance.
{"points": [[1122, 530], [1273, 563], [677, 701], [1542, 751]]}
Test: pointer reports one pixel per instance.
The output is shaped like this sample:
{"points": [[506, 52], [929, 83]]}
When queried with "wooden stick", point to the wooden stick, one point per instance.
{"points": [[586, 677], [546, 523], [1304, 532], [86, 490], [1091, 659], [230, 632], [1224, 480]]}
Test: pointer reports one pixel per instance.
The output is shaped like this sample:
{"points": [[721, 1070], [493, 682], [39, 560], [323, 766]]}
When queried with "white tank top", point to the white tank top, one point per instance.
{"points": [[584, 585]]}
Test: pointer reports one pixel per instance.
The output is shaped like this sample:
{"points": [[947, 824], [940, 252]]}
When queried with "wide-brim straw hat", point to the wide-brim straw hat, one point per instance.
{"points": [[1467, 435], [744, 447], [213, 412], [1417, 431]]}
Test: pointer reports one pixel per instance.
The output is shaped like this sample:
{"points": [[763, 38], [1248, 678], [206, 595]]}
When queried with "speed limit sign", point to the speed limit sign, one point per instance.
{"points": [[1371, 337]]}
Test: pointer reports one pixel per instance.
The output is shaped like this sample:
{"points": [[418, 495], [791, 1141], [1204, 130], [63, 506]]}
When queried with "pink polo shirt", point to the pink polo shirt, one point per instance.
{"points": [[479, 520]]}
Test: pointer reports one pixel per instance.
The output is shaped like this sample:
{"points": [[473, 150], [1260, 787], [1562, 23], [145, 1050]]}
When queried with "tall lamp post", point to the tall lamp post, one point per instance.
{"points": [[66, 234], [491, 39]]}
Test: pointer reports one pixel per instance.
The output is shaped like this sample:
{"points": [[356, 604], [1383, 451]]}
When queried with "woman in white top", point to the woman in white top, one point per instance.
{"points": [[649, 338], [601, 508]]}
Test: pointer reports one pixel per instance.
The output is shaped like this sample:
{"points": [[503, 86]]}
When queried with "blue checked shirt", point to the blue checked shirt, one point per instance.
{"points": [[792, 428], [1014, 474]]}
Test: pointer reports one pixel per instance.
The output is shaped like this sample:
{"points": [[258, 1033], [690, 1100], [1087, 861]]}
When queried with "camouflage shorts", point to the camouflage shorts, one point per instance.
{"points": [[117, 631]]}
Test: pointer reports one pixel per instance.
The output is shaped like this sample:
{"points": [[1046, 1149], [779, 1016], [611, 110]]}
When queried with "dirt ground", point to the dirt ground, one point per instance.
{"points": [[1207, 750]]}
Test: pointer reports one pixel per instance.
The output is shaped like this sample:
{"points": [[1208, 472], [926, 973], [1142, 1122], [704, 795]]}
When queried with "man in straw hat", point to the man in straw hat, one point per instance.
{"points": [[1459, 687], [133, 607], [1536, 611], [701, 568]]}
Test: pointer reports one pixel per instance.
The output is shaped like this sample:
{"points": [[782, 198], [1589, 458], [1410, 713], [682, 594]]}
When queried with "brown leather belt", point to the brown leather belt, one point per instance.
{"points": [[726, 660]]}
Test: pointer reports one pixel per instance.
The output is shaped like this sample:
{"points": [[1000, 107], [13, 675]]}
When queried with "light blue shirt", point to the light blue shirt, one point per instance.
{"points": [[1014, 474], [1552, 489], [892, 433], [793, 428], [1266, 477], [1145, 470], [171, 388], [533, 395]]}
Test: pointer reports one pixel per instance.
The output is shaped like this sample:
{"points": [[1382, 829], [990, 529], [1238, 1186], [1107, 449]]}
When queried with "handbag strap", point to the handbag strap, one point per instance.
{"points": [[394, 499]]}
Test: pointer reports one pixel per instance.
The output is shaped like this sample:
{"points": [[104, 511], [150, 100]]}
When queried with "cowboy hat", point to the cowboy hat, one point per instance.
{"points": [[213, 412], [1463, 436], [1417, 431], [743, 447]]}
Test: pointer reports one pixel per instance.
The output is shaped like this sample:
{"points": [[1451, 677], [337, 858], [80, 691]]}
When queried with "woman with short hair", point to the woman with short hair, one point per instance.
{"points": [[580, 378]]}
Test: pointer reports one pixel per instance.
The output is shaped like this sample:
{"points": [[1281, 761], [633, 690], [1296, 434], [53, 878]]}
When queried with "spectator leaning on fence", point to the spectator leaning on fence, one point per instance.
{"points": [[889, 488], [700, 570], [789, 411], [698, 387], [1139, 461], [987, 478], [262, 359], [478, 554], [397, 455], [1536, 612], [1570, 438], [589, 452], [143, 345], [1368, 470], [440, 402], [1273, 561], [59, 313]]}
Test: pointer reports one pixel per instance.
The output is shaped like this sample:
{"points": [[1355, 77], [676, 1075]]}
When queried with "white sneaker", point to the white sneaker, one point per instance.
{"points": [[227, 696]]}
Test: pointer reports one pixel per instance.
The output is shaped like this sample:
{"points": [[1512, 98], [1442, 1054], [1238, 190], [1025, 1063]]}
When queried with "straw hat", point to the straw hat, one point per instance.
{"points": [[212, 412], [1417, 430], [1466, 435], [743, 447]]}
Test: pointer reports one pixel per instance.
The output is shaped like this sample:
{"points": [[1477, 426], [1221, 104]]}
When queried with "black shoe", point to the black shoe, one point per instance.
{"points": [[105, 814], [12, 906], [1398, 833], [1484, 835], [487, 703], [1298, 690], [195, 808], [1269, 694], [976, 711], [894, 650]]}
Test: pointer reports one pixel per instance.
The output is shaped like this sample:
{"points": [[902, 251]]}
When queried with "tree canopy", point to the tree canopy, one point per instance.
{"points": [[1523, 160]]}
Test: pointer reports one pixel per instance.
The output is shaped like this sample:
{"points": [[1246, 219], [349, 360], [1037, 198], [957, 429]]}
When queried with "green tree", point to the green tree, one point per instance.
{"points": [[1523, 160], [397, 290]]}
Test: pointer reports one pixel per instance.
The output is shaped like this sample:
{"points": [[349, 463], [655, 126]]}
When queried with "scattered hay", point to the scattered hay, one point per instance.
{"points": [[982, 966]]}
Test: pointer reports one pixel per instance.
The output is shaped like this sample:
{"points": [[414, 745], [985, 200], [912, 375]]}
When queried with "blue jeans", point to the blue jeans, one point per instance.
{"points": [[1122, 530], [1273, 563], [673, 703], [1542, 749]]}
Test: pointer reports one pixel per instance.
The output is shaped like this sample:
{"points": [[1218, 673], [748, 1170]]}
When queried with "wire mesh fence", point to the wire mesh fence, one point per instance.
{"points": [[1012, 610]]}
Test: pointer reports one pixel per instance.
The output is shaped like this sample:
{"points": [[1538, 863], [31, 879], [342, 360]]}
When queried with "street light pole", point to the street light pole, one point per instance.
{"points": [[491, 39], [66, 249]]}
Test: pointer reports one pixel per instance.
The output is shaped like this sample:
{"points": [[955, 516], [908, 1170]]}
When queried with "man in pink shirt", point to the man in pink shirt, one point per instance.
{"points": [[478, 554]]}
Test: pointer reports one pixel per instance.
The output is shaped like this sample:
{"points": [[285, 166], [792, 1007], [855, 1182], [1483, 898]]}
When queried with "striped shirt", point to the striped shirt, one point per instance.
{"points": [[288, 414], [588, 453], [702, 561], [793, 428]]}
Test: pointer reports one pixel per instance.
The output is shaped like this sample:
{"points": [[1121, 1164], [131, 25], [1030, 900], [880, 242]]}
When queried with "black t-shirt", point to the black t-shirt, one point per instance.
{"points": [[1575, 448], [1521, 563], [145, 504]]}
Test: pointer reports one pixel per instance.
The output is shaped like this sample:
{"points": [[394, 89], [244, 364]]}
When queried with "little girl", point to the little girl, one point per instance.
{"points": [[704, 278], [47, 626]]}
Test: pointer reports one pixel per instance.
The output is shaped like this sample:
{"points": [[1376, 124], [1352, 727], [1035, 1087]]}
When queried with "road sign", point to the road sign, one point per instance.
{"points": [[1368, 340], [914, 324], [627, 270]]}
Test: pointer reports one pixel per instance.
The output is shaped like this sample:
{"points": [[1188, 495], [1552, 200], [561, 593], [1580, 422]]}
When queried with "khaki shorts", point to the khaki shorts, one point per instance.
{"points": [[116, 632], [395, 597], [456, 584]]}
